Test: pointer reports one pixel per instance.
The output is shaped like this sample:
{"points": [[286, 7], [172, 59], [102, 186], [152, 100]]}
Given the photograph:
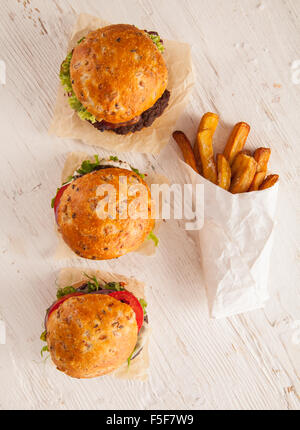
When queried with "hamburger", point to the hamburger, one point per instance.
{"points": [[95, 225], [93, 329], [116, 78]]}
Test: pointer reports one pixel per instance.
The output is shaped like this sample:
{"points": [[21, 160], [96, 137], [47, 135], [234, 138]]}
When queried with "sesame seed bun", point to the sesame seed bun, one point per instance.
{"points": [[91, 335], [81, 222], [117, 73]]}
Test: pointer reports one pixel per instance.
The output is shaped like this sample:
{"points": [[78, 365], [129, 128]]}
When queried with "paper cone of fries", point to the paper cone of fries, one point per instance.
{"points": [[235, 245]]}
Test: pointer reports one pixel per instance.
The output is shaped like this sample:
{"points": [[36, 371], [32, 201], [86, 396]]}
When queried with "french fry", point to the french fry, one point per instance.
{"points": [[261, 156], [269, 182], [257, 180], [240, 160], [197, 157], [236, 141], [204, 142], [247, 152], [204, 146], [208, 121], [224, 172], [186, 149], [244, 168]]}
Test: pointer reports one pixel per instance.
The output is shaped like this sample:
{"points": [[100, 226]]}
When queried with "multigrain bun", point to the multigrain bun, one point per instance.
{"points": [[91, 335], [117, 73], [82, 224]]}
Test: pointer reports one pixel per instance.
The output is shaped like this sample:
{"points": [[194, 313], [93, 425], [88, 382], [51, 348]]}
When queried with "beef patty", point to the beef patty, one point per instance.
{"points": [[144, 120]]}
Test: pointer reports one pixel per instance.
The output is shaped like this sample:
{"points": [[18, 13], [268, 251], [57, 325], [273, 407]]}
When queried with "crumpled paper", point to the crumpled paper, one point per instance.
{"points": [[139, 365], [235, 245], [66, 122], [72, 163]]}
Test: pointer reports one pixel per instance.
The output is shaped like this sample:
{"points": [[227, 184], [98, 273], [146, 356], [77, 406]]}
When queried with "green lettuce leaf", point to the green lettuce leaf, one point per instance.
{"points": [[53, 199], [113, 286], [61, 292], [43, 337], [130, 357], [88, 166], [155, 239], [93, 285], [157, 40], [44, 349], [144, 304], [65, 79], [137, 172]]}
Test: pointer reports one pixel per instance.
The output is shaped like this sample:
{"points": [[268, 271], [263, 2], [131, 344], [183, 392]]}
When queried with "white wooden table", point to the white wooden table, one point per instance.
{"points": [[245, 54]]}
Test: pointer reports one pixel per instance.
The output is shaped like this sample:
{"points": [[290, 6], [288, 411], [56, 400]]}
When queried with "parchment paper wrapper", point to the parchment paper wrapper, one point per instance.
{"points": [[66, 122], [235, 246], [139, 365], [72, 163]]}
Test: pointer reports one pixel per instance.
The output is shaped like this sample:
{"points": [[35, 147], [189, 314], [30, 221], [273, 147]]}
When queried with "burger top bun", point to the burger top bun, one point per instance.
{"points": [[83, 215], [91, 335], [117, 73]]}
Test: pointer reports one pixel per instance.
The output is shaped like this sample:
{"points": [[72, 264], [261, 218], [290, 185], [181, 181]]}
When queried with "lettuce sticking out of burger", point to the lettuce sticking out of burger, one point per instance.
{"points": [[92, 329], [116, 78], [81, 203]]}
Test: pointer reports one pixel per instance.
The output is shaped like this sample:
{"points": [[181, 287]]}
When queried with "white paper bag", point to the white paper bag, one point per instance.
{"points": [[235, 246]]}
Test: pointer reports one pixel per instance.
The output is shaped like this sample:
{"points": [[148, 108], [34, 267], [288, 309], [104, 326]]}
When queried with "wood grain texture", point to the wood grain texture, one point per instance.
{"points": [[242, 52]]}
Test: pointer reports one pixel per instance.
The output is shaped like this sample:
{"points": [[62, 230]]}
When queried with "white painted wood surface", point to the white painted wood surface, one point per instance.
{"points": [[243, 53]]}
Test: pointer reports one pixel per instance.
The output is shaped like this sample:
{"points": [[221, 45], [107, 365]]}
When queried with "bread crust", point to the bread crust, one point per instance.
{"points": [[80, 211], [117, 73], [91, 335]]}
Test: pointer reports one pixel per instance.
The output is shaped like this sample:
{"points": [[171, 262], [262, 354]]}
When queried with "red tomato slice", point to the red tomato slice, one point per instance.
{"points": [[58, 197], [57, 304], [131, 300]]}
